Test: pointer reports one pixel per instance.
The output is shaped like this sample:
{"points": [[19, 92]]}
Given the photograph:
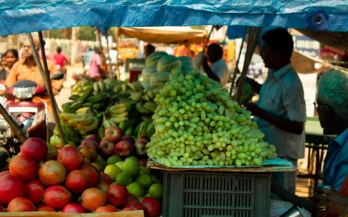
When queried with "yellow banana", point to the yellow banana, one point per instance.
{"points": [[89, 127], [83, 119], [150, 106], [124, 87], [83, 110], [140, 107], [118, 106], [67, 116], [151, 94]]}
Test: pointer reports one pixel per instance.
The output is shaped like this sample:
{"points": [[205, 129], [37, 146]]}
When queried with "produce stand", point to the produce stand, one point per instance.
{"points": [[138, 213]]}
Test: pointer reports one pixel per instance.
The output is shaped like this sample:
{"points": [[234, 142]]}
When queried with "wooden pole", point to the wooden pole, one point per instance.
{"points": [[253, 36], [46, 77], [118, 77], [102, 52]]}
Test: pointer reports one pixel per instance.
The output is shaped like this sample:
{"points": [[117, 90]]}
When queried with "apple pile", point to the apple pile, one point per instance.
{"points": [[41, 178], [132, 174]]}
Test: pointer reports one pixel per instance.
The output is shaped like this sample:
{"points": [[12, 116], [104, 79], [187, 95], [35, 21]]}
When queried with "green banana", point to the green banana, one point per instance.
{"points": [[142, 129], [129, 131], [151, 94], [96, 98], [82, 120], [85, 94], [136, 95], [117, 88], [146, 98], [140, 107], [126, 100], [89, 86], [124, 87], [150, 129], [74, 97], [114, 110], [150, 106], [91, 126], [109, 86], [101, 131], [131, 86], [146, 118], [130, 122], [87, 104], [97, 106], [118, 120], [75, 106], [67, 106], [134, 113], [137, 128], [95, 87], [101, 85]]}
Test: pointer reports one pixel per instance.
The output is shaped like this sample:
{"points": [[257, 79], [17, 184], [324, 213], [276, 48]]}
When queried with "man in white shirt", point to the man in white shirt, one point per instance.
{"points": [[280, 112], [218, 69]]}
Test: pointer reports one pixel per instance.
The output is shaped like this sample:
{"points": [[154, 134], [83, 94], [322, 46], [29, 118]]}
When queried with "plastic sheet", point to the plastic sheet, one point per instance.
{"points": [[19, 16]]}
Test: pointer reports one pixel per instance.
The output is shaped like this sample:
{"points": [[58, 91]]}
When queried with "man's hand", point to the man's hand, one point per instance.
{"points": [[205, 61], [253, 108], [334, 203]]}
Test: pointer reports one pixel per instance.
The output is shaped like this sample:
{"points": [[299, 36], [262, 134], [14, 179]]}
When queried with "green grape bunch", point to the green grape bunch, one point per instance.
{"points": [[198, 123]]}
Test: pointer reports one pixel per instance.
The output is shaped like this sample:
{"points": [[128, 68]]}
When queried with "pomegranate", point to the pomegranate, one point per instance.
{"points": [[103, 186], [35, 191], [77, 181], [20, 204], [52, 173], [117, 195], [70, 157], [11, 187], [105, 178], [56, 196], [44, 208], [106, 208], [135, 205], [153, 206], [24, 167], [93, 174], [92, 198], [3, 173], [35, 148], [73, 208]]}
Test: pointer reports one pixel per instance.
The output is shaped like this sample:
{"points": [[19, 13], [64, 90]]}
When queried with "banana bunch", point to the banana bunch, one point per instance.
{"points": [[144, 128], [82, 122]]}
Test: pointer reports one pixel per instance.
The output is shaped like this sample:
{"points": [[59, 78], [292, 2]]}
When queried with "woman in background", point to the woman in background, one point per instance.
{"points": [[11, 59], [3, 72]]}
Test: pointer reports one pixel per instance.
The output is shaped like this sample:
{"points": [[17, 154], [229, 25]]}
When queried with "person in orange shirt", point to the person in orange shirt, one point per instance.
{"points": [[26, 69]]}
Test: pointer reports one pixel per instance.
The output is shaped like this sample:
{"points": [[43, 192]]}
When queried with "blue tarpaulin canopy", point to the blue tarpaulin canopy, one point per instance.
{"points": [[20, 16]]}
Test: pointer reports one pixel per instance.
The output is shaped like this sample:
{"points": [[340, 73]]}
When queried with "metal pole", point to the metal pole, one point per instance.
{"points": [[108, 50], [204, 48]]}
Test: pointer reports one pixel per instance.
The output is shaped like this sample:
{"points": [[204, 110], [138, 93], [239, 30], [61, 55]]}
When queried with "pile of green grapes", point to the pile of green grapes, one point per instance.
{"points": [[197, 123]]}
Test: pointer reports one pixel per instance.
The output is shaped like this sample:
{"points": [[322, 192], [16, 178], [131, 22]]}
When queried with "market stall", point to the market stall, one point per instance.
{"points": [[28, 16]]}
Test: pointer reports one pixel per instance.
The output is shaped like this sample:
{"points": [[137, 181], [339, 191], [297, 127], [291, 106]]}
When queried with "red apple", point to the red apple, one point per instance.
{"points": [[105, 178], [144, 138], [143, 162], [117, 195], [135, 205], [128, 138], [108, 208], [94, 137], [89, 143], [153, 206], [131, 197], [140, 147], [124, 148], [113, 133], [106, 147]]}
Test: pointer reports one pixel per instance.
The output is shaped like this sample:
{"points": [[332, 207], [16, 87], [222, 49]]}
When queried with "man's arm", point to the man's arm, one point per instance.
{"points": [[295, 127], [209, 72], [256, 86]]}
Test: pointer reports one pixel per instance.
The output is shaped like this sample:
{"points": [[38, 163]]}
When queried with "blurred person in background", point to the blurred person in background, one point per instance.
{"points": [[96, 68], [61, 59], [149, 49], [11, 58], [3, 72], [87, 57]]}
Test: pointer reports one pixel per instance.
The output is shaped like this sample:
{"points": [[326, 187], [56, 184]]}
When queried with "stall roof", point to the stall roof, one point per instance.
{"points": [[167, 35], [20, 16]]}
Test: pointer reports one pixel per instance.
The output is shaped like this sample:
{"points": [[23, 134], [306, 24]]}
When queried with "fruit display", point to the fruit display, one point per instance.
{"points": [[197, 123], [97, 105], [64, 181]]}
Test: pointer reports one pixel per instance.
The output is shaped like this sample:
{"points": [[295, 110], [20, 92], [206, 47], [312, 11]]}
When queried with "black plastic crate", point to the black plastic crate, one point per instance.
{"points": [[205, 194]]}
